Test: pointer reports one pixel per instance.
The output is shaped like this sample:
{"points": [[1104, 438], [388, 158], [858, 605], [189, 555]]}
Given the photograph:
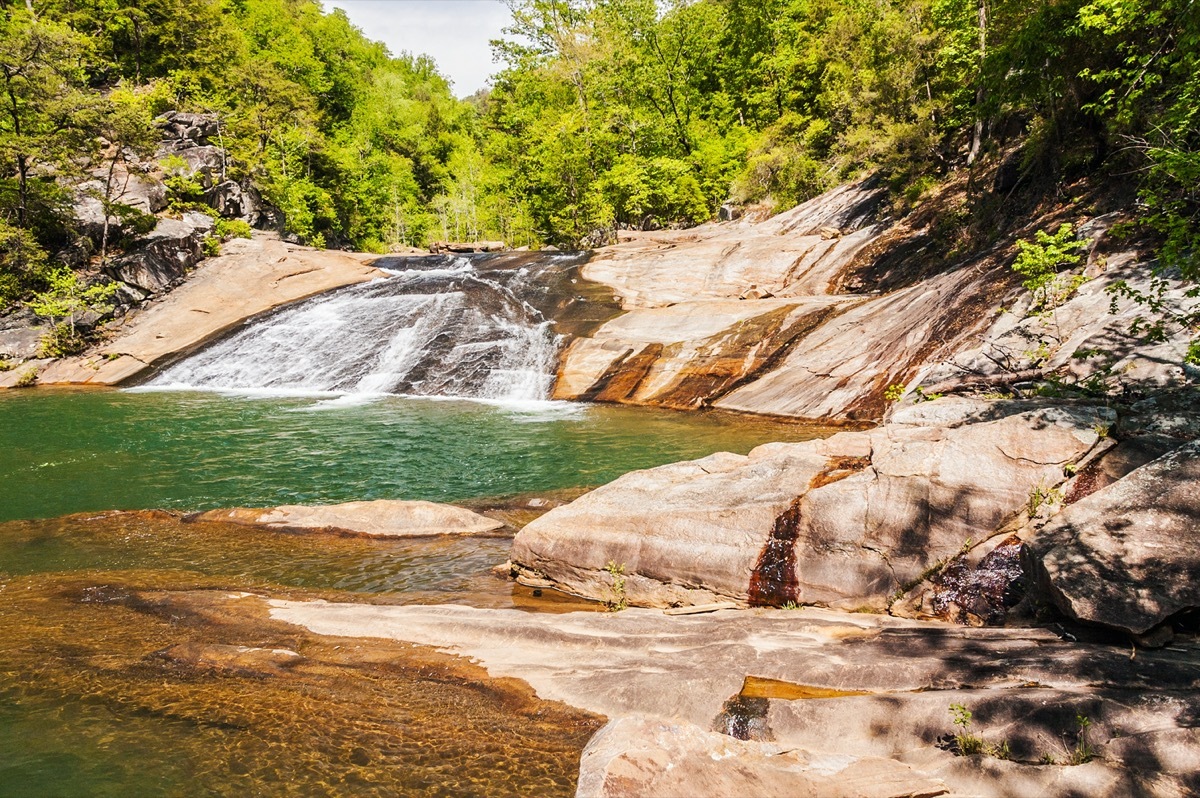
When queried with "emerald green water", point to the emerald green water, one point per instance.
{"points": [[73, 451], [121, 633]]}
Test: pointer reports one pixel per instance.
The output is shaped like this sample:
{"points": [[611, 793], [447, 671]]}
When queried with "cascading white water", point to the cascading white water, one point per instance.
{"points": [[430, 332]]}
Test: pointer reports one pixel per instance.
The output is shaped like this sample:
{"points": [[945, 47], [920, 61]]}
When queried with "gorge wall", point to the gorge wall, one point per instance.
{"points": [[817, 311]]}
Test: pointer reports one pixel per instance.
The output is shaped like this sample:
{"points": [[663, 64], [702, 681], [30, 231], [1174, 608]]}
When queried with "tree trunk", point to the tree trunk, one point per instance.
{"points": [[977, 137]]}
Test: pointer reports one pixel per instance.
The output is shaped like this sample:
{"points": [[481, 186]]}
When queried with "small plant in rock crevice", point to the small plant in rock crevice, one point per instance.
{"points": [[1083, 752], [967, 743], [619, 600], [894, 392], [1192, 358], [1041, 496]]}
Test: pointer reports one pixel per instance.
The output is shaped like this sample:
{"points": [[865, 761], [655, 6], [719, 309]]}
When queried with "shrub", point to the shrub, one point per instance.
{"points": [[62, 303], [28, 379], [619, 600], [226, 229], [1039, 263]]}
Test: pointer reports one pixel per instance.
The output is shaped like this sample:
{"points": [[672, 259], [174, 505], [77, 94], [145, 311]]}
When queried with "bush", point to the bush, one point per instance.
{"points": [[1039, 263], [226, 229], [61, 340], [63, 302]]}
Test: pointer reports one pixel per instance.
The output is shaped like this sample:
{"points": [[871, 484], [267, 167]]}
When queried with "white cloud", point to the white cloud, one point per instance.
{"points": [[455, 33]]}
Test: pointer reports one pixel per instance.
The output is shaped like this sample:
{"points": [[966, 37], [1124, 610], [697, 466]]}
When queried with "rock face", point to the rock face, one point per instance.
{"points": [[383, 519], [847, 694], [162, 258], [1128, 556], [816, 312], [843, 522], [235, 201]]}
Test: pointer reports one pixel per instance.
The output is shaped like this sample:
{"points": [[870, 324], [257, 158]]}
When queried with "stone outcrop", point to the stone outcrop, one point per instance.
{"points": [[234, 200], [845, 521], [161, 259], [843, 692], [1128, 555], [251, 277], [383, 518], [842, 303]]}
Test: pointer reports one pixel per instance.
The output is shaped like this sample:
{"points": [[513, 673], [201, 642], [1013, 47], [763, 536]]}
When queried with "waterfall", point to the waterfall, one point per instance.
{"points": [[450, 330]]}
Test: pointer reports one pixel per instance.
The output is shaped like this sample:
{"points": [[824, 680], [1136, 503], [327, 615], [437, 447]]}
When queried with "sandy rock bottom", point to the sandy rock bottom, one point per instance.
{"points": [[815, 702]]}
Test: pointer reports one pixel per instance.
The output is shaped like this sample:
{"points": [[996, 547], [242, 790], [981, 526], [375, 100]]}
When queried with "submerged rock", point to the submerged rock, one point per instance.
{"points": [[1127, 556], [383, 518], [848, 694], [844, 522]]}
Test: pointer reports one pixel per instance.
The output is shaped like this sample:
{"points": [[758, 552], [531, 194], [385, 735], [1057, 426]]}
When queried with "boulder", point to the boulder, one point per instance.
{"points": [[1128, 556], [234, 201], [197, 127], [383, 518], [844, 522], [163, 257], [205, 162], [19, 342]]}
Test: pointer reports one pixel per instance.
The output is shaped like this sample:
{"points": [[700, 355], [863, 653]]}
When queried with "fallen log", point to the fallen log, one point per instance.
{"points": [[987, 381]]}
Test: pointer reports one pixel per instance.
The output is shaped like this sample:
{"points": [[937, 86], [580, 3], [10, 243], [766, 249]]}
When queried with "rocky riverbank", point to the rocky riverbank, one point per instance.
{"points": [[953, 511]]}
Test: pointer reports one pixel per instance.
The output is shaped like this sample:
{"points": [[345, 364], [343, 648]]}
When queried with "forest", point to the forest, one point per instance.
{"points": [[602, 114]]}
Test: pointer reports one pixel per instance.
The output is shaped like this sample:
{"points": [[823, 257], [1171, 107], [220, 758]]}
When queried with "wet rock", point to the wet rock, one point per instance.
{"points": [[382, 518], [844, 521], [1127, 556], [227, 658], [251, 277], [974, 591], [853, 687], [685, 355]]}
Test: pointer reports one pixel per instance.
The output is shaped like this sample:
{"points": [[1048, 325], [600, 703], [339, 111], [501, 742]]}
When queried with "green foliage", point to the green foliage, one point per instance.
{"points": [[61, 340], [895, 392], [1083, 752], [226, 229], [966, 743], [1192, 357], [619, 600], [28, 378], [65, 299], [1040, 263], [183, 186], [1041, 496], [22, 263], [605, 114]]}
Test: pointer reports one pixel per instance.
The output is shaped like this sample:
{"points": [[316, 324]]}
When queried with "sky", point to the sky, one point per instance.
{"points": [[454, 32]]}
